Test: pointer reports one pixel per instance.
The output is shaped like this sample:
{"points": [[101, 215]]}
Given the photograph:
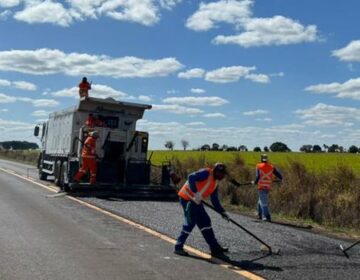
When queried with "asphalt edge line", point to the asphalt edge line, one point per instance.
{"points": [[235, 269]]}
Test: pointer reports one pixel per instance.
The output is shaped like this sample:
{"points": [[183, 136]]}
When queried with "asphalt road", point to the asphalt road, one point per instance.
{"points": [[65, 235]]}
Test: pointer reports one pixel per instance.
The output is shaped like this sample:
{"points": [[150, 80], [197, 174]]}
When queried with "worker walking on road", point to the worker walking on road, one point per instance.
{"points": [[84, 88], [264, 178], [88, 154], [199, 186]]}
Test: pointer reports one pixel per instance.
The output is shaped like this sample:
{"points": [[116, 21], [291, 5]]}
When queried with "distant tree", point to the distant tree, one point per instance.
{"points": [[353, 149], [334, 148], [215, 147], [257, 149], [184, 144], [326, 148], [18, 145], [243, 148], [306, 148], [224, 147], [205, 147], [316, 149], [279, 147], [169, 145], [231, 149], [266, 149]]}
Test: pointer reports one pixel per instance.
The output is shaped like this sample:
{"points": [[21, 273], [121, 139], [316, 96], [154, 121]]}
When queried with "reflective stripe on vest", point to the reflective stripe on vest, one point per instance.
{"points": [[205, 188], [266, 173]]}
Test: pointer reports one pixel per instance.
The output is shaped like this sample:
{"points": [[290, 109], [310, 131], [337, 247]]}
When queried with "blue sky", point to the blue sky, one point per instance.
{"points": [[235, 72]]}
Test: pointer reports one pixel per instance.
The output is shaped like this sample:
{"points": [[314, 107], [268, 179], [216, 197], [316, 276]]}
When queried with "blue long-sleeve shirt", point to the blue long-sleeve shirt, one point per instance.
{"points": [[275, 172], [202, 175]]}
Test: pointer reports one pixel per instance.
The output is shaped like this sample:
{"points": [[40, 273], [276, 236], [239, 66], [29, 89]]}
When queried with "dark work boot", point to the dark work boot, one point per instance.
{"points": [[218, 253], [181, 252], [223, 249]]}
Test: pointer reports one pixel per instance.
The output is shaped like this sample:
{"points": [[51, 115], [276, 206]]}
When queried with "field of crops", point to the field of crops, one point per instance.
{"points": [[312, 161]]}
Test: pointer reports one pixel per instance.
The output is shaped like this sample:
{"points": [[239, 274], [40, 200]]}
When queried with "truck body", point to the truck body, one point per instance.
{"points": [[121, 150]]}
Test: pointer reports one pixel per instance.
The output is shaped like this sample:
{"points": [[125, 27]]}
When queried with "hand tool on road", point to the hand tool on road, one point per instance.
{"points": [[265, 245], [348, 248]]}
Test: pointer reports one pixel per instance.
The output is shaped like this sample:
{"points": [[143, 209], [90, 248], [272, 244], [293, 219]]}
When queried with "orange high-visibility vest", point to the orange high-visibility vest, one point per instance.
{"points": [[266, 175], [89, 148], [84, 89], [205, 187]]}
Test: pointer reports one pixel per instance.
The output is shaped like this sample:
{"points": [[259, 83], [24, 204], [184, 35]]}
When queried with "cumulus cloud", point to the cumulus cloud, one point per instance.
{"points": [[4, 110], [214, 115], [329, 115], [196, 101], [177, 109], [350, 53], [197, 90], [144, 98], [270, 31], [35, 102], [256, 112], [49, 61], [192, 73], [195, 124], [18, 84], [4, 15], [97, 90], [349, 89], [228, 11], [251, 31], [65, 13], [234, 74], [40, 113]]}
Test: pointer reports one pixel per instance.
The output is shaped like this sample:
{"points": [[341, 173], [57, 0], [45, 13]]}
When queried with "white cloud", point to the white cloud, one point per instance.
{"points": [[214, 115], [145, 98], [9, 125], [4, 110], [4, 15], [228, 11], [35, 102], [177, 109], [18, 84], [264, 119], [65, 13], [97, 90], [349, 89], [40, 113], [329, 115], [195, 124], [198, 90], [258, 78], [47, 61], [277, 30], [228, 74], [350, 53], [256, 112], [192, 73], [196, 101]]}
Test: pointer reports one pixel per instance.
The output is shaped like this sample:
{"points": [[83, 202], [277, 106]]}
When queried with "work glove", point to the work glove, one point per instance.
{"points": [[253, 183], [198, 198], [225, 216]]}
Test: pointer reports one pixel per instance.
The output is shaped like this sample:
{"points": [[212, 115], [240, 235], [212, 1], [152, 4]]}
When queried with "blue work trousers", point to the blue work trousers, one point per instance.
{"points": [[196, 215], [263, 204]]}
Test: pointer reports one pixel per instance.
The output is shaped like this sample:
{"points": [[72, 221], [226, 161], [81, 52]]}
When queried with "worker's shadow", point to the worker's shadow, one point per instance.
{"points": [[250, 265]]}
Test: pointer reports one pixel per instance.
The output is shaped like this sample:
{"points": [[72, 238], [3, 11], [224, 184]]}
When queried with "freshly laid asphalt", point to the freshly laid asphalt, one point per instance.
{"points": [[53, 238]]}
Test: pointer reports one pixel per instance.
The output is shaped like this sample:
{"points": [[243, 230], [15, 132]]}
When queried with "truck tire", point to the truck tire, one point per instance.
{"points": [[57, 173], [42, 175], [64, 177]]}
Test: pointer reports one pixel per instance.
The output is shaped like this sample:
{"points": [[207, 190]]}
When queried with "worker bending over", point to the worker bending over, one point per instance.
{"points": [[264, 178], [199, 186], [88, 154]]}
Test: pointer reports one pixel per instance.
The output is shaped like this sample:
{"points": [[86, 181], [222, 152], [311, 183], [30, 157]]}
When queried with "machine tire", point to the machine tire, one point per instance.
{"points": [[64, 177], [42, 175], [57, 173]]}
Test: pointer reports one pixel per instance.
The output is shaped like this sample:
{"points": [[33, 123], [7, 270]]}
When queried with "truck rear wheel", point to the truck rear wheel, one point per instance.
{"points": [[64, 178], [42, 175]]}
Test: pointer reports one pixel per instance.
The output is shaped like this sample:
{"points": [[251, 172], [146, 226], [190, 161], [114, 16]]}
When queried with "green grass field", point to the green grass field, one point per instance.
{"points": [[313, 161]]}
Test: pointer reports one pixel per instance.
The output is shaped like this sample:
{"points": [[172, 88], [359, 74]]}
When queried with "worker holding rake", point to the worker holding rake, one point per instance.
{"points": [[264, 178], [199, 186]]}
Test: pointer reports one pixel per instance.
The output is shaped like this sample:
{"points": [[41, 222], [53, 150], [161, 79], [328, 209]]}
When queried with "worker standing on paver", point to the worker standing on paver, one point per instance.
{"points": [[200, 185], [264, 178], [88, 154], [84, 88]]}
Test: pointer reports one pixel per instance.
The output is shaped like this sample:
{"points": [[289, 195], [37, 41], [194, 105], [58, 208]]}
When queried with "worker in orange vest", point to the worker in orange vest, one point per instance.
{"points": [[84, 88], [88, 154], [264, 178], [199, 186], [90, 121]]}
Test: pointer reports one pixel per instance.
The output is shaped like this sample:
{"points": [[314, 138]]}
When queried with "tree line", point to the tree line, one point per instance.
{"points": [[18, 145], [274, 147]]}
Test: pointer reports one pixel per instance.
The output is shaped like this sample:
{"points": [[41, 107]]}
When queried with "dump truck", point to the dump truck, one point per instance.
{"points": [[122, 151]]}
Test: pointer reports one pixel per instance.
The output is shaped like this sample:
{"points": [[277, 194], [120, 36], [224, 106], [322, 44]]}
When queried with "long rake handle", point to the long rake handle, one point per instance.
{"points": [[240, 226], [348, 248]]}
